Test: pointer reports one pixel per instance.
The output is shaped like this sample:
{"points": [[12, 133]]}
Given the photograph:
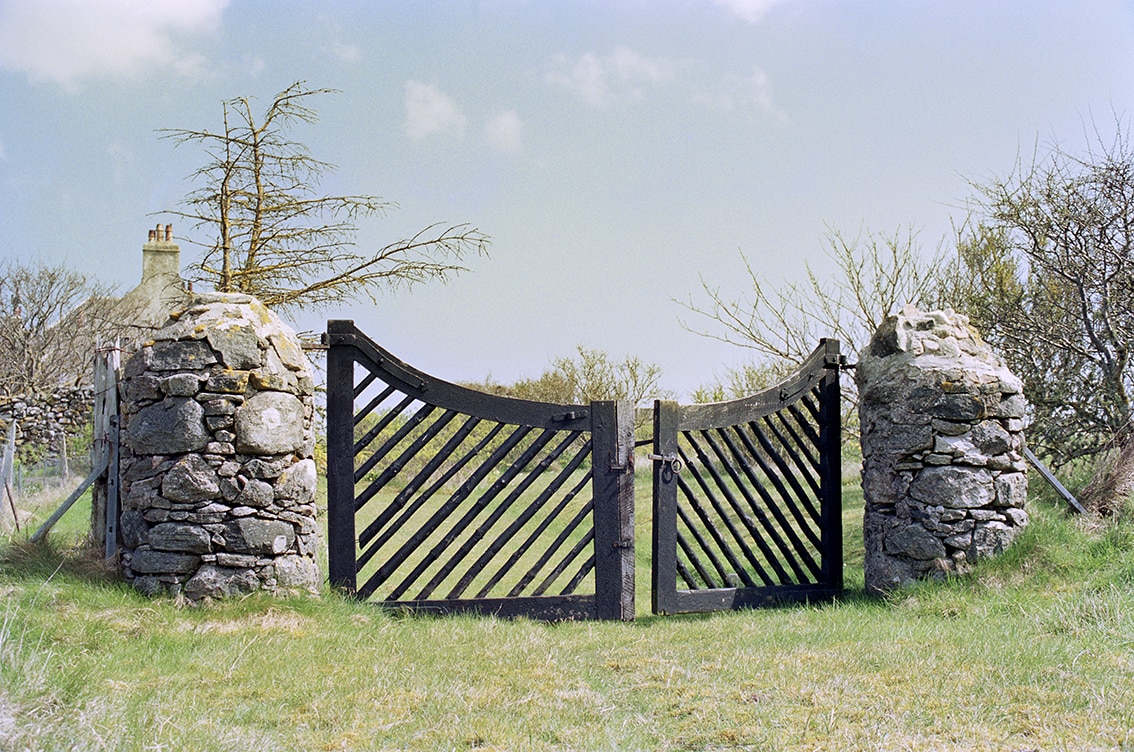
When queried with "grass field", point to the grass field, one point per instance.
{"points": [[1034, 651]]}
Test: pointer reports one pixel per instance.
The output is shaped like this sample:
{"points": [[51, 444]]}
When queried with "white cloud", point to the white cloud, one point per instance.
{"points": [[347, 53], [735, 92], [254, 65], [67, 40], [505, 132], [122, 160], [430, 111], [750, 10], [620, 76]]}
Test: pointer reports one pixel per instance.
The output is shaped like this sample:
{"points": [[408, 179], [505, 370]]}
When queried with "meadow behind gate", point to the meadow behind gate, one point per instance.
{"points": [[1032, 651]]}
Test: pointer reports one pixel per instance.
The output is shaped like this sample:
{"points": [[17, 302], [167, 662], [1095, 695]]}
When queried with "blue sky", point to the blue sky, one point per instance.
{"points": [[617, 151]]}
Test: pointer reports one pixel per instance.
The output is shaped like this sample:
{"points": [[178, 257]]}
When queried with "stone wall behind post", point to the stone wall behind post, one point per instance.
{"points": [[43, 419], [943, 475], [217, 475]]}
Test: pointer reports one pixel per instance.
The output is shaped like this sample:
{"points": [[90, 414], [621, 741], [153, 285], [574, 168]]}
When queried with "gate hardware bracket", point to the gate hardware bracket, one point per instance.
{"points": [[620, 467], [670, 459], [569, 416], [624, 543]]}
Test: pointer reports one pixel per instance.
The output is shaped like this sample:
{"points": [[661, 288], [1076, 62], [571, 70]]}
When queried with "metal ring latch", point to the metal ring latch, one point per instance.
{"points": [[671, 460]]}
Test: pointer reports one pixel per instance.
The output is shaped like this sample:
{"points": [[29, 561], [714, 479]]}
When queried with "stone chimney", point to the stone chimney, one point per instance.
{"points": [[160, 255], [161, 290]]}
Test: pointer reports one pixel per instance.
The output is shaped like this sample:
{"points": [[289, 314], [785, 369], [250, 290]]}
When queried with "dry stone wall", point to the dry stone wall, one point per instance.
{"points": [[42, 419], [218, 480], [943, 475]]}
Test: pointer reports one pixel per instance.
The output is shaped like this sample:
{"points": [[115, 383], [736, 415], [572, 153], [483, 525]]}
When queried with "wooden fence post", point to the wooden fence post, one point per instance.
{"points": [[103, 434], [7, 463]]}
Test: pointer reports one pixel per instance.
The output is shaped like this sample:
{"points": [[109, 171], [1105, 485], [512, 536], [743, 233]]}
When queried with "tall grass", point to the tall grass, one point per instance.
{"points": [[1032, 651]]}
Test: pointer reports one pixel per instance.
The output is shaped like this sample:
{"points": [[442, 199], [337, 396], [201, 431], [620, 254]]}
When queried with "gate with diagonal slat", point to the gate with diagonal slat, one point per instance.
{"points": [[444, 498], [747, 495]]}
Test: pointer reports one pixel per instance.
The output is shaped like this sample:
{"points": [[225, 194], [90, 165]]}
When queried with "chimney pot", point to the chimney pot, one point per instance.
{"points": [[152, 238], [168, 233]]}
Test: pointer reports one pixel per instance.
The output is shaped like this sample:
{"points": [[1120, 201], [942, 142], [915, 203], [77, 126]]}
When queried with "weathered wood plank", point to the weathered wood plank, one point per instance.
{"points": [[612, 439], [342, 571]]}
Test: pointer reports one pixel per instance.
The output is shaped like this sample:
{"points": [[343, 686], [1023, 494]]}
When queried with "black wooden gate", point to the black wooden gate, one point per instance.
{"points": [[747, 496], [450, 499]]}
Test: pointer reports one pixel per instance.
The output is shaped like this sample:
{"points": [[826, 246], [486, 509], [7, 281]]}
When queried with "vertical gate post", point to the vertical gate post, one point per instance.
{"points": [[831, 469], [341, 563], [612, 458], [106, 375], [112, 510], [664, 539]]}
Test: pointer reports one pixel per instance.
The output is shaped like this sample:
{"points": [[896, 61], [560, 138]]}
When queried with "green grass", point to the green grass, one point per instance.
{"points": [[1032, 651]]}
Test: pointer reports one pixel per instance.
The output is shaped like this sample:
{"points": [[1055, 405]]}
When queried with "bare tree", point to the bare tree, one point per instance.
{"points": [[1048, 277], [869, 277], [51, 319], [265, 229]]}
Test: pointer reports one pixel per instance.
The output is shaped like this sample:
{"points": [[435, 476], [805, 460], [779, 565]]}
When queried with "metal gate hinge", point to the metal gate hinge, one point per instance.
{"points": [[619, 467], [624, 543], [671, 459]]}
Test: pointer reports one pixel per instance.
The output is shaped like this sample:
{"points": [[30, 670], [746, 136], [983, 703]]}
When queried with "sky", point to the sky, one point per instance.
{"points": [[621, 154]]}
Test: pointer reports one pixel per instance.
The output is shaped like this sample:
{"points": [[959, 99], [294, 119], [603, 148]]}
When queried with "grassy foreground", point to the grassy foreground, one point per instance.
{"points": [[1032, 652]]}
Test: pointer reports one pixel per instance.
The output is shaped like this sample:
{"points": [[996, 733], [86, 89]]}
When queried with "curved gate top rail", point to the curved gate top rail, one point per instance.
{"points": [[445, 498]]}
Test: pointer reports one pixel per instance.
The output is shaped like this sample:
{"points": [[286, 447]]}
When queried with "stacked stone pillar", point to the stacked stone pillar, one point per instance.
{"points": [[217, 476], [943, 475]]}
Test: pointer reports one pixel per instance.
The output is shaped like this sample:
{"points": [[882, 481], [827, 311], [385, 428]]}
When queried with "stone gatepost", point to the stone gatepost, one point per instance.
{"points": [[217, 475], [943, 475]]}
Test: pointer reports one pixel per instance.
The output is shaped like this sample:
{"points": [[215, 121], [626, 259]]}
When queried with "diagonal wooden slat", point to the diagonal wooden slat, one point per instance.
{"points": [[523, 548], [390, 567], [383, 423], [798, 497], [522, 519], [790, 547], [794, 543], [485, 503], [724, 490], [458, 463], [809, 431], [408, 453], [372, 405], [704, 547], [564, 563], [370, 377], [719, 515], [552, 549], [797, 450], [585, 569]]}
